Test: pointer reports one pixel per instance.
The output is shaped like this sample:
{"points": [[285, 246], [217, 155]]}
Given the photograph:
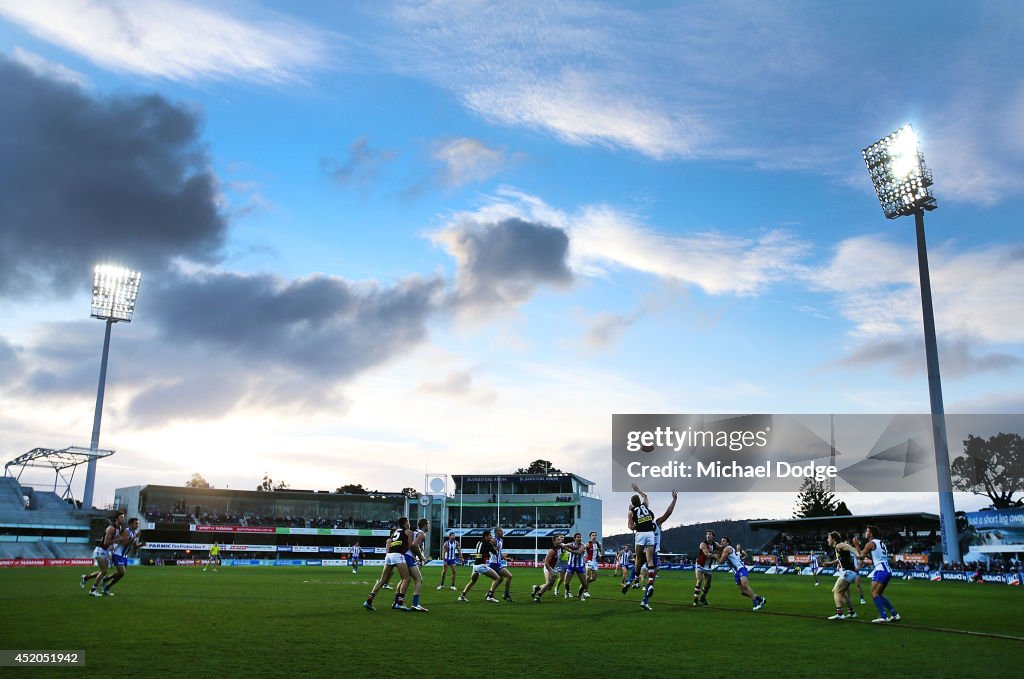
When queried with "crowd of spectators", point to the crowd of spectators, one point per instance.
{"points": [[201, 518], [898, 543]]}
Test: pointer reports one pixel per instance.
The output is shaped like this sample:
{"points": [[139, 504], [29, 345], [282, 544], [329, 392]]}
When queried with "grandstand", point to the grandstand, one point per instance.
{"points": [[38, 524], [319, 527], [911, 537]]}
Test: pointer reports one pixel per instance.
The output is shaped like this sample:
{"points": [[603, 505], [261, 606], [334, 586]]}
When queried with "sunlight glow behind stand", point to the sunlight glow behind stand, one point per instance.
{"points": [[114, 292], [902, 182]]}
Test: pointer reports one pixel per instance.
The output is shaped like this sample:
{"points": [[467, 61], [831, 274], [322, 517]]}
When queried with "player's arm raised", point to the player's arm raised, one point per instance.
{"points": [[668, 511], [642, 494]]}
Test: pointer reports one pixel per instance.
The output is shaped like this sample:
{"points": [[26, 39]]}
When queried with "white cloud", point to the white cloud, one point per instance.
{"points": [[977, 294], [49, 69], [175, 39], [465, 161], [778, 87], [603, 238]]}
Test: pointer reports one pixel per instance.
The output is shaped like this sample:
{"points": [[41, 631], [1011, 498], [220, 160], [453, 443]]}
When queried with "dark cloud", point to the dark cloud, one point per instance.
{"points": [[504, 263], [957, 358], [324, 326], [360, 167], [87, 179], [10, 362], [606, 329]]}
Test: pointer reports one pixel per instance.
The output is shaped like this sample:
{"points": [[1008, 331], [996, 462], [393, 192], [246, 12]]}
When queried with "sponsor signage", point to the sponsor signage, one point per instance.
{"points": [[204, 547], [19, 563], [281, 530], [955, 576], [232, 529]]}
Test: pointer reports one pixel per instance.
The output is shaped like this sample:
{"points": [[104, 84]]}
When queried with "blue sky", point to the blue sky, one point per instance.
{"points": [[380, 239]]}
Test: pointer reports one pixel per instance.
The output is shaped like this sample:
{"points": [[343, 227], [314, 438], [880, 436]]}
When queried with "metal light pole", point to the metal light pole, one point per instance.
{"points": [[902, 182], [114, 292]]}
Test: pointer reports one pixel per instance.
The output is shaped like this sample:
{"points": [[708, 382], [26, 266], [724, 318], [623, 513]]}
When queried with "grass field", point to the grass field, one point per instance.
{"points": [[277, 622]]}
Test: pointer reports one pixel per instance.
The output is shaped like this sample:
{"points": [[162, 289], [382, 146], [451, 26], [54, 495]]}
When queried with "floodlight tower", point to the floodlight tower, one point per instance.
{"points": [[902, 182], [114, 291]]}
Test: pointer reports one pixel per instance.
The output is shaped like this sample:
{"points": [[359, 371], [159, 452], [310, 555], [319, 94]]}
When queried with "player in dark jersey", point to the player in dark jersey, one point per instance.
{"points": [[846, 574], [703, 566], [550, 574], [648, 538], [484, 551], [397, 545]]}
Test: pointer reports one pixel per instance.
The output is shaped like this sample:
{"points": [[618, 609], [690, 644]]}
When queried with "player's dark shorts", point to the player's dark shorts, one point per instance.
{"points": [[451, 562], [575, 569], [741, 573], [881, 576], [560, 567], [410, 560], [118, 560], [355, 561]]}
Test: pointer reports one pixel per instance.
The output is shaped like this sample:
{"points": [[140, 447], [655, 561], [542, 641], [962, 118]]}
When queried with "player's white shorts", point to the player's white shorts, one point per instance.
{"points": [[849, 576], [482, 569], [549, 573], [646, 539], [394, 559], [592, 566], [100, 553]]}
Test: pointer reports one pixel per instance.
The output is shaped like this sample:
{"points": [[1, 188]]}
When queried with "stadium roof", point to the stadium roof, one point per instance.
{"points": [[907, 521]]}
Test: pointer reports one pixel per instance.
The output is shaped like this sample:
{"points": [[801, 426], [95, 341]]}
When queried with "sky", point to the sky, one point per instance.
{"points": [[381, 239]]}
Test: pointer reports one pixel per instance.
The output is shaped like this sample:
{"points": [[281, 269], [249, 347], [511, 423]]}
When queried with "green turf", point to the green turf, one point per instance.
{"points": [[295, 622]]}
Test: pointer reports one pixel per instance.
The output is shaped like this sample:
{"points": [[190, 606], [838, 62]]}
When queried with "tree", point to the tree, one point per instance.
{"points": [[814, 499], [843, 510], [267, 484], [353, 489], [539, 467], [197, 481], [411, 493], [993, 467]]}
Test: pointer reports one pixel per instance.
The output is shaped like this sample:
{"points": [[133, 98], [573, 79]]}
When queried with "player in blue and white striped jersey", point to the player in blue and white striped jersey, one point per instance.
{"points": [[877, 553], [451, 553], [577, 565], [730, 556], [499, 564]]}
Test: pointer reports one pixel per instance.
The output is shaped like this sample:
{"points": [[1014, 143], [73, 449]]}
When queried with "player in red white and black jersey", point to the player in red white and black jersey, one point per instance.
{"points": [[550, 574], [593, 559], [703, 566], [101, 555]]}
